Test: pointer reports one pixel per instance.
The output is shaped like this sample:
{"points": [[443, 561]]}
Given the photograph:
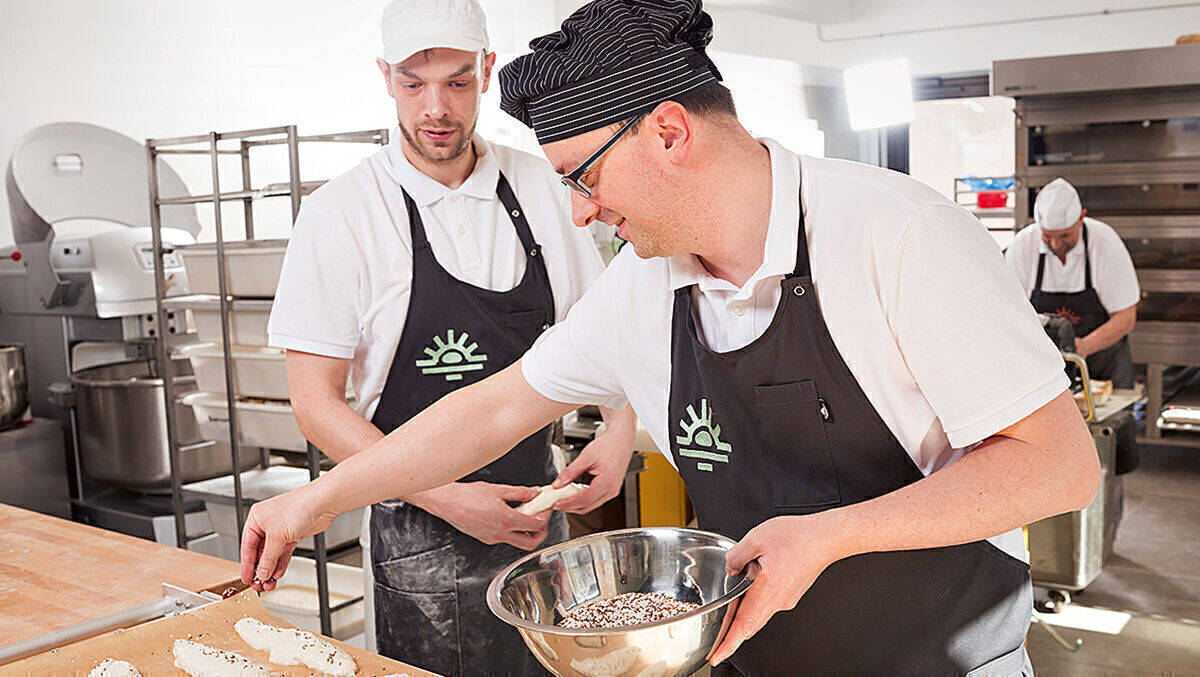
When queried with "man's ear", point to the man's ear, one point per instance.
{"points": [[387, 75], [489, 60], [672, 129]]}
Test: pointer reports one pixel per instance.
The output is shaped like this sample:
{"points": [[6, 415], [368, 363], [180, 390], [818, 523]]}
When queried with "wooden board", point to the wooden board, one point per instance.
{"points": [[148, 646], [55, 573]]}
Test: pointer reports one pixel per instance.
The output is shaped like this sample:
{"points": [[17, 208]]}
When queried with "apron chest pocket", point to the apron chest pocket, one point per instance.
{"points": [[524, 318], [801, 472]]}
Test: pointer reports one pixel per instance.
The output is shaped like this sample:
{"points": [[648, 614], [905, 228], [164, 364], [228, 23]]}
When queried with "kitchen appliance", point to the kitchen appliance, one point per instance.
{"points": [[14, 386], [31, 452], [535, 592], [121, 412], [77, 290], [1124, 128]]}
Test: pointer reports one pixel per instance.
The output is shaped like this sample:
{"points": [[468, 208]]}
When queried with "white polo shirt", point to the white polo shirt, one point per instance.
{"points": [[914, 291], [1113, 275], [347, 275]]}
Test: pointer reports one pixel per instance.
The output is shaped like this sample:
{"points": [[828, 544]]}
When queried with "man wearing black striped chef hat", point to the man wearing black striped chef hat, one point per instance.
{"points": [[834, 357]]}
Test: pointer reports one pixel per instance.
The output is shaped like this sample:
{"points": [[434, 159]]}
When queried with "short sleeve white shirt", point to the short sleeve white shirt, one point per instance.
{"points": [[914, 291], [1113, 274], [347, 275]]}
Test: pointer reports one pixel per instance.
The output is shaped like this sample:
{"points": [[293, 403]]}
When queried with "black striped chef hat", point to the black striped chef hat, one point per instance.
{"points": [[612, 60]]}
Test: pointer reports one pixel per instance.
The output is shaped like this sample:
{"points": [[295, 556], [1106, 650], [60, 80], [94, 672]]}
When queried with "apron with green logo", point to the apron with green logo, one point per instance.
{"points": [[430, 578], [782, 427]]}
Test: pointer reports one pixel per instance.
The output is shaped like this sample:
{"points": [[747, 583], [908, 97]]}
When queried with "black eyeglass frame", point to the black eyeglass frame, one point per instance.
{"points": [[574, 180]]}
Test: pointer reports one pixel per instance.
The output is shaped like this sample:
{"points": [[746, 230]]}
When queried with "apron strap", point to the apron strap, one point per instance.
{"points": [[803, 269], [509, 200], [1037, 285], [1087, 262], [415, 225]]}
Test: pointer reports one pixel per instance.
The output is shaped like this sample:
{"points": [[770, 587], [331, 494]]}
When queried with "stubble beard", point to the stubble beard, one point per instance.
{"points": [[438, 154]]}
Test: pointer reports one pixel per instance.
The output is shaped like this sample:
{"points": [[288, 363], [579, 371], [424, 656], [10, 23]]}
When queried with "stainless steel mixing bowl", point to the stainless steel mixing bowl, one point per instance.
{"points": [[538, 590], [14, 385]]}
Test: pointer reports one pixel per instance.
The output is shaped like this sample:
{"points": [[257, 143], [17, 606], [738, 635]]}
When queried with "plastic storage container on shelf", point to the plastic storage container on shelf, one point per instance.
{"points": [[251, 267], [247, 319], [991, 199], [261, 484], [295, 598], [261, 423], [257, 371]]}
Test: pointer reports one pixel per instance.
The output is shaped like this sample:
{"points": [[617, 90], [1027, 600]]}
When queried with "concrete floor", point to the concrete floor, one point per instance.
{"points": [[1154, 575]]}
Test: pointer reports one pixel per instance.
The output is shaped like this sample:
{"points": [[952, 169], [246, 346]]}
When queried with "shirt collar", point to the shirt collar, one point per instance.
{"points": [[481, 184], [779, 250]]}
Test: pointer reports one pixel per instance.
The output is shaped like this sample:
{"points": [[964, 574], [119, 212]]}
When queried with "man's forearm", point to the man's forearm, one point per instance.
{"points": [[457, 435], [335, 428], [1118, 325], [1002, 484], [340, 432]]}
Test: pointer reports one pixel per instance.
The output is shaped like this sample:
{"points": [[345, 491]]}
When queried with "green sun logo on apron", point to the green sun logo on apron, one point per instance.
{"points": [[701, 438], [452, 357]]}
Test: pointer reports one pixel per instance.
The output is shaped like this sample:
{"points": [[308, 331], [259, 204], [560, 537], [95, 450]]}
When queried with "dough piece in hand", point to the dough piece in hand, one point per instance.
{"points": [[199, 660], [112, 667], [289, 646], [549, 496]]}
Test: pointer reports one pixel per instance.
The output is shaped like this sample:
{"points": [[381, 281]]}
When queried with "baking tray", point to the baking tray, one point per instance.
{"points": [[148, 646]]}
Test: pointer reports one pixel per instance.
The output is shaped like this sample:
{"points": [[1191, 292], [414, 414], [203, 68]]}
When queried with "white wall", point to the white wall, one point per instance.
{"points": [[957, 138], [924, 31], [172, 67]]}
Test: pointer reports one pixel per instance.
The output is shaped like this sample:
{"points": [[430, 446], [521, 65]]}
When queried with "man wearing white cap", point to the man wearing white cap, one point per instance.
{"points": [[1093, 286], [431, 265]]}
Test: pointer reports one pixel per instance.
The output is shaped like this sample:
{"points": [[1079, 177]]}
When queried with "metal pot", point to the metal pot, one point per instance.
{"points": [[122, 419], [14, 385]]}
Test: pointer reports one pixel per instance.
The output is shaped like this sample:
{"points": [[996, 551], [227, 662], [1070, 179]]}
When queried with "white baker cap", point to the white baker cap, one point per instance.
{"points": [[1057, 206], [410, 26]]}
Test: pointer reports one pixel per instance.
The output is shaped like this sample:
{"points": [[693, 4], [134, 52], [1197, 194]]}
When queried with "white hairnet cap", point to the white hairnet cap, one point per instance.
{"points": [[1057, 206], [410, 26]]}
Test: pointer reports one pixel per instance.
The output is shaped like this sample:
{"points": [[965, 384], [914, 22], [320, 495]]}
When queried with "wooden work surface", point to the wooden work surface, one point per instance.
{"points": [[55, 573]]}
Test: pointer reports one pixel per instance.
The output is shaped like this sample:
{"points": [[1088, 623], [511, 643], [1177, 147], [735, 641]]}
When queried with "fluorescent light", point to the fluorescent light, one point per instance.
{"points": [[879, 94]]}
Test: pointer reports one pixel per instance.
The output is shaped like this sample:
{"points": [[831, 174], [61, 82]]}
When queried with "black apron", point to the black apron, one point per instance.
{"points": [[430, 578], [1085, 312], [781, 427]]}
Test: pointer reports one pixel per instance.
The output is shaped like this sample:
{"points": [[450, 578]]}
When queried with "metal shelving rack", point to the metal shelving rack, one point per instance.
{"points": [[293, 189], [965, 197]]}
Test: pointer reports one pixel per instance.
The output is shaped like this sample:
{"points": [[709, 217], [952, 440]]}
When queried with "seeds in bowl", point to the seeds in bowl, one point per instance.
{"points": [[632, 608]]}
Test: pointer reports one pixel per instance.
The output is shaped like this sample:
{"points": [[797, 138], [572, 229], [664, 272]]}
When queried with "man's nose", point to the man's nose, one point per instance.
{"points": [[435, 103], [583, 210]]}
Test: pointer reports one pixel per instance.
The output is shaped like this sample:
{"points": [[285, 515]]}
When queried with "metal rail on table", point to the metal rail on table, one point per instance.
{"points": [[174, 600]]}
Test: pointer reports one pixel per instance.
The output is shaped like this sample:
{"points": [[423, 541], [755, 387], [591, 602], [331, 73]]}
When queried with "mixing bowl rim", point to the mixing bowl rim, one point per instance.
{"points": [[80, 378], [498, 609]]}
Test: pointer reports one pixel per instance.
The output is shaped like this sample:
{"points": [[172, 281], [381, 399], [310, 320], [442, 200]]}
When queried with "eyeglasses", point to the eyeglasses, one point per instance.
{"points": [[574, 180]]}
